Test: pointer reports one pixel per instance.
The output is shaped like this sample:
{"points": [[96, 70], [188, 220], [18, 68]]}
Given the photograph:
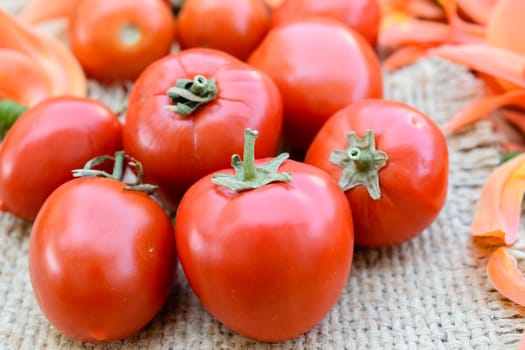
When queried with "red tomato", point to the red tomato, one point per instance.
{"points": [[48, 141], [268, 262], [317, 77], [101, 259], [233, 26], [362, 15], [176, 150], [412, 185], [116, 40]]}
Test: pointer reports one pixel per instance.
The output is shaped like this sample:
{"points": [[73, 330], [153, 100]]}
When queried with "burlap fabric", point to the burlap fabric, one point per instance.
{"points": [[429, 293]]}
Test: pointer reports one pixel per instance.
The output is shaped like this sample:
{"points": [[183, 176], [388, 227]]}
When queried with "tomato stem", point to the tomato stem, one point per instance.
{"points": [[118, 166], [247, 175], [249, 167], [188, 95], [10, 111], [360, 162], [118, 171]]}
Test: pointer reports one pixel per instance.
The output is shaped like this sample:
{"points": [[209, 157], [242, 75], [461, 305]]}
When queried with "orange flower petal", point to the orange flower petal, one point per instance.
{"points": [[38, 11], [509, 146], [424, 9], [21, 80], [480, 108], [505, 276], [494, 61], [516, 118], [477, 10], [497, 212], [506, 26], [404, 55], [398, 28], [463, 31], [56, 60]]}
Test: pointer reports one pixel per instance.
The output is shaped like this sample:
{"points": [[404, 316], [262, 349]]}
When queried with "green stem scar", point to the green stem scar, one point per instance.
{"points": [[9, 113], [119, 160], [247, 175], [188, 95], [360, 162]]}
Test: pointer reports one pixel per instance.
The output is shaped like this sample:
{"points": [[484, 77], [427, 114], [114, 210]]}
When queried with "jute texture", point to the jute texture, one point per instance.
{"points": [[429, 293]]}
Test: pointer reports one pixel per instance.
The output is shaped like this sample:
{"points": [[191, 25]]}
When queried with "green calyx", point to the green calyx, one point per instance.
{"points": [[361, 163], [188, 95], [247, 175], [9, 113], [118, 171]]}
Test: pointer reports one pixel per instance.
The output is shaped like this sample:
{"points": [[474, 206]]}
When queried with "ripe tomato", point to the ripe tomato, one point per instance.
{"points": [[233, 26], [317, 77], [101, 259], [179, 141], [362, 15], [49, 140], [269, 262], [410, 188], [116, 40]]}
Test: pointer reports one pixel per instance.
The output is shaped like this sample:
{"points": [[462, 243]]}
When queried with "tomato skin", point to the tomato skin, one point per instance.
{"points": [[233, 26], [317, 77], [269, 263], [102, 260], [49, 140], [96, 39], [413, 182], [361, 15], [177, 150]]}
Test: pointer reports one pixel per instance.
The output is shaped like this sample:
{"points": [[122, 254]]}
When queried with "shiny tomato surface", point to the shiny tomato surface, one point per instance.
{"points": [[233, 26], [270, 262], [320, 66], [361, 15], [176, 150], [46, 143], [116, 40], [102, 259], [413, 183]]}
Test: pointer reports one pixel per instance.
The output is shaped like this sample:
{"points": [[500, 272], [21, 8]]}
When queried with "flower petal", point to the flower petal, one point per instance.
{"points": [[404, 56], [56, 59], [399, 28], [37, 11], [481, 107], [497, 212], [477, 10], [497, 62], [506, 26], [21, 80], [505, 276]]}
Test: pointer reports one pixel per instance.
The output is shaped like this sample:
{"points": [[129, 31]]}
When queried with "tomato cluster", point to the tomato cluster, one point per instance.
{"points": [[266, 246]]}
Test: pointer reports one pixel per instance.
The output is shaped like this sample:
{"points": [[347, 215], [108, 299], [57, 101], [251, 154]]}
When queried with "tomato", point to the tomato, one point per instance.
{"points": [[233, 26], [102, 259], [179, 141], [317, 77], [392, 162], [116, 40], [49, 140], [267, 260], [362, 15]]}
